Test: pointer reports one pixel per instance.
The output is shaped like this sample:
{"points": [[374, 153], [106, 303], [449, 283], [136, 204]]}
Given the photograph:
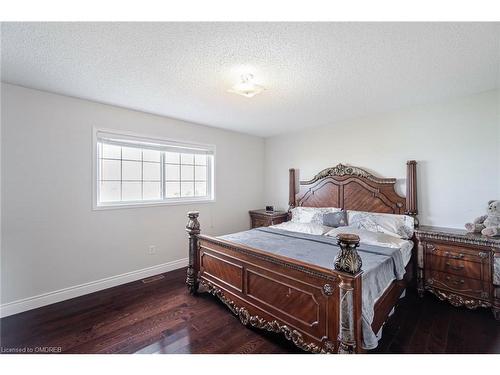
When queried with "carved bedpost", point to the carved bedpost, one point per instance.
{"points": [[292, 188], [349, 263], [411, 190], [193, 229], [496, 284], [420, 267]]}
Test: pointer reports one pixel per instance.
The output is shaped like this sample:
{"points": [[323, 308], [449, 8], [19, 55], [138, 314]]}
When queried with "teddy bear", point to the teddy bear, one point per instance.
{"points": [[489, 224]]}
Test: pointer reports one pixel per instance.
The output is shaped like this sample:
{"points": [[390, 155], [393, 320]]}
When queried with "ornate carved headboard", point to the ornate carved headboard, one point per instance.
{"points": [[353, 188]]}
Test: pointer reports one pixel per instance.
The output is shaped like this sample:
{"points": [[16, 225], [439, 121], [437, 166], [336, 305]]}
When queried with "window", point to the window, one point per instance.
{"points": [[134, 170]]}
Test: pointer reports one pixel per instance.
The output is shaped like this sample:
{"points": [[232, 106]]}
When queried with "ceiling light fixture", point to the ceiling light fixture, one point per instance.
{"points": [[247, 87]]}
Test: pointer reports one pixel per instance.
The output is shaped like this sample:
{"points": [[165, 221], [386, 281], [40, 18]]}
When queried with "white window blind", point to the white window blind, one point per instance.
{"points": [[134, 170]]}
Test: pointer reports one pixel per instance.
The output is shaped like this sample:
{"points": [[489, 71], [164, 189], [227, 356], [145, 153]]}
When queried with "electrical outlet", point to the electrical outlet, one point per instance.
{"points": [[152, 250]]}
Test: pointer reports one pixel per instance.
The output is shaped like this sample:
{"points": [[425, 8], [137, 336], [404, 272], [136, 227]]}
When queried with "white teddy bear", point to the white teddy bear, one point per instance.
{"points": [[489, 224]]}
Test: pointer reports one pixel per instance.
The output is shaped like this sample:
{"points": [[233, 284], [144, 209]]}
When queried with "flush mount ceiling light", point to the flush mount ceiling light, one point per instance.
{"points": [[247, 87]]}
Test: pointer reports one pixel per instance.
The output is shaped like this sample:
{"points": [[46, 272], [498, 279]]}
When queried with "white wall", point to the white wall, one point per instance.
{"points": [[456, 144], [52, 239]]}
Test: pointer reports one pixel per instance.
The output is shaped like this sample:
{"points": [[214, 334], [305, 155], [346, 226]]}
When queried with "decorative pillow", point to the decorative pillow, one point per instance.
{"points": [[309, 228], [310, 214], [400, 226], [335, 219]]}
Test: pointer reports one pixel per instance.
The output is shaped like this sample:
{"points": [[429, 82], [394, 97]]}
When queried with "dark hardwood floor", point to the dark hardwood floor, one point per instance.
{"points": [[161, 317]]}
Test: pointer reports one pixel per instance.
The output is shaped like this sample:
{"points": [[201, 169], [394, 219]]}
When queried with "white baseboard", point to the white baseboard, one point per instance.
{"points": [[49, 298]]}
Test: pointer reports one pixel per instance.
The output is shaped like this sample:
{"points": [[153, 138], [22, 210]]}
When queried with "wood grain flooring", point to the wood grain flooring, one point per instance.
{"points": [[161, 317]]}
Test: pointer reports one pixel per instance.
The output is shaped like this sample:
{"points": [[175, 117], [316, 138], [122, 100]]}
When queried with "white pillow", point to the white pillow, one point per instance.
{"points": [[401, 226], [370, 238], [308, 228], [307, 215]]}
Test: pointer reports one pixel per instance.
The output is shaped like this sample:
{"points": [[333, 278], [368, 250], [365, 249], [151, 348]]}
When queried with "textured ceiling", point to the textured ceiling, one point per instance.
{"points": [[315, 73]]}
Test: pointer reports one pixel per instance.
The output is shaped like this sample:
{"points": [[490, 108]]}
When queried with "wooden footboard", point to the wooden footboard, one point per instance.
{"points": [[318, 309]]}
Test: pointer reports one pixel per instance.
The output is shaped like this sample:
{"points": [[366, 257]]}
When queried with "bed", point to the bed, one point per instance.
{"points": [[324, 293]]}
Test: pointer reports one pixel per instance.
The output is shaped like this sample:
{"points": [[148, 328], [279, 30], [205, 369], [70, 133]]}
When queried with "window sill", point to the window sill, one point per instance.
{"points": [[114, 206]]}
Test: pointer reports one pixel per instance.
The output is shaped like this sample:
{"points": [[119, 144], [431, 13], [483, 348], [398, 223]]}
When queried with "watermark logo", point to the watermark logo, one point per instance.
{"points": [[30, 349]]}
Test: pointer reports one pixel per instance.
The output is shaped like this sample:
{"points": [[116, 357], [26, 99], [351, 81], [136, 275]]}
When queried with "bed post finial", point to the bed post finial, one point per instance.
{"points": [[348, 259], [193, 229], [411, 190], [292, 188]]}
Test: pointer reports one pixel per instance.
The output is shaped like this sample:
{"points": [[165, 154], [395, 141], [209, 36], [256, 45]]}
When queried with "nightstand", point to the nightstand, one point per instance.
{"points": [[263, 218], [459, 267]]}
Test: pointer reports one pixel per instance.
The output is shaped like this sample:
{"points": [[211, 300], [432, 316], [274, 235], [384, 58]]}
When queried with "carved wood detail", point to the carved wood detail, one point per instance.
{"points": [[328, 289], [457, 237], [457, 300], [193, 229], [346, 170], [348, 259], [272, 326], [353, 188]]}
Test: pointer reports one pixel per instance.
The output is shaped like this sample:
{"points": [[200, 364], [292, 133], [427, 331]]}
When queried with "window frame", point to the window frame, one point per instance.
{"points": [[96, 205]]}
